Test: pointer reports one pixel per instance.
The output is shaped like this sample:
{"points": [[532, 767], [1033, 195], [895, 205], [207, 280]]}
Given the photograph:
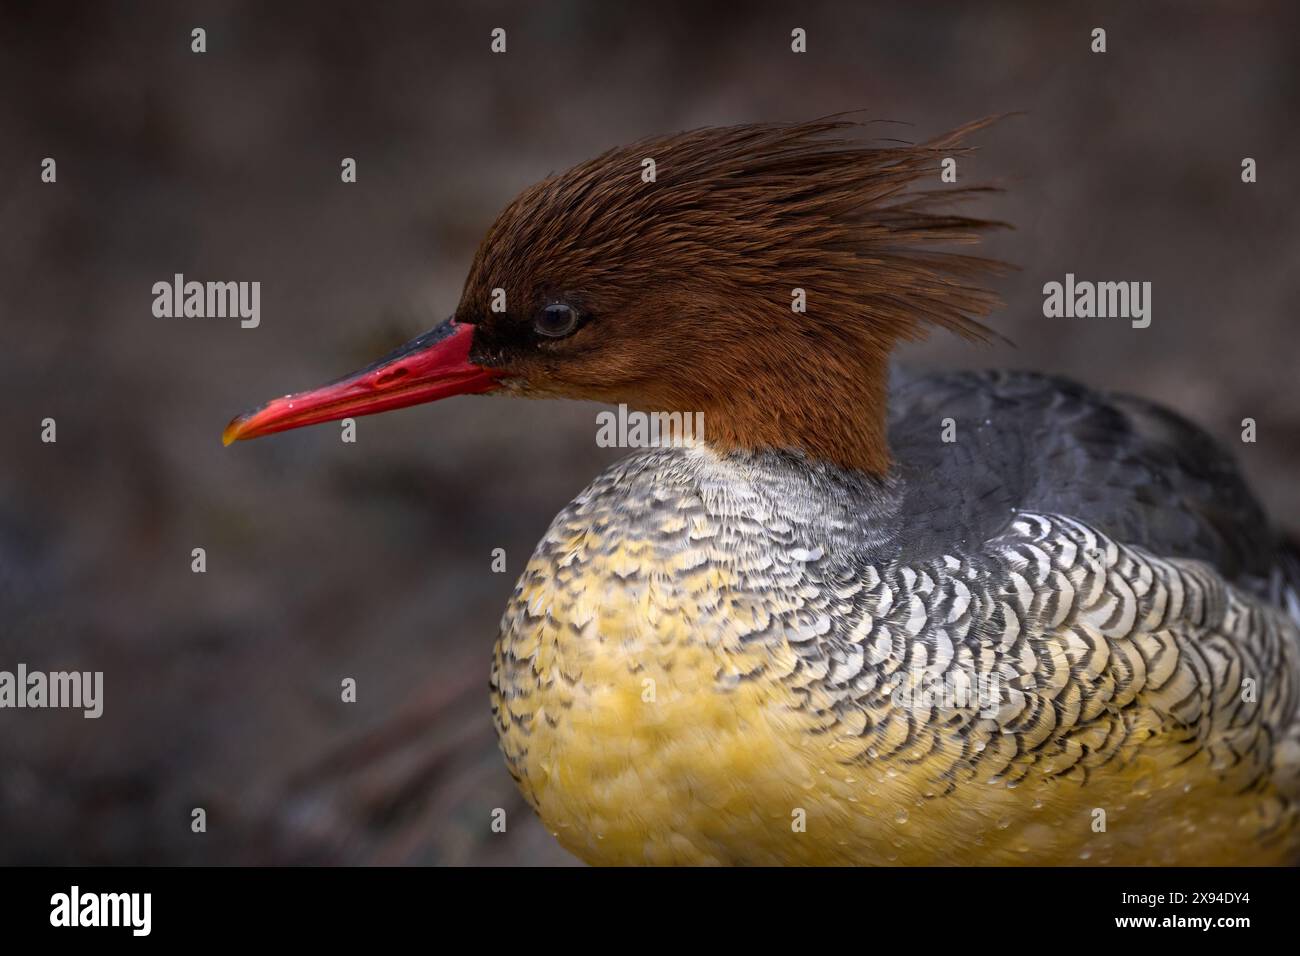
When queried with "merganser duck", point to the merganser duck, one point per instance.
{"points": [[753, 650]]}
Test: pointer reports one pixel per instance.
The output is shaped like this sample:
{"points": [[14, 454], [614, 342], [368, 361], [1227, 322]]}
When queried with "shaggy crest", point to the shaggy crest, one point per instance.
{"points": [[756, 208], [686, 283]]}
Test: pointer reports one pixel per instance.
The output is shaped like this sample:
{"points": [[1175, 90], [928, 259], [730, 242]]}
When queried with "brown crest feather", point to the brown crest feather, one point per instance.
{"points": [[689, 278]]}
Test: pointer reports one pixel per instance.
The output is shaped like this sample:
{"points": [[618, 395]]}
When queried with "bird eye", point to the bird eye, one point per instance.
{"points": [[556, 320]]}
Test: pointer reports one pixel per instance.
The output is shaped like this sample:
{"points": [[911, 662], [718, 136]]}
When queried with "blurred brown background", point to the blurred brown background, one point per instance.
{"points": [[371, 560]]}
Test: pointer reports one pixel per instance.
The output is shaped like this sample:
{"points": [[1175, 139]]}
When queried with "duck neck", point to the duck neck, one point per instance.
{"points": [[834, 414]]}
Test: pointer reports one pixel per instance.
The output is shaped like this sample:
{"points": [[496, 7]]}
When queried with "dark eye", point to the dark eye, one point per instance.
{"points": [[556, 320]]}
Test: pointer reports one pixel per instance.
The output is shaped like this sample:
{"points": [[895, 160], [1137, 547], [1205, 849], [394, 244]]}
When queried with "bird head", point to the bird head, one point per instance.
{"points": [[758, 274]]}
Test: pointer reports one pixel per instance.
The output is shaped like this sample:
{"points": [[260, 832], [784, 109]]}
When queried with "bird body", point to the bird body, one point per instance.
{"points": [[726, 659], [827, 634]]}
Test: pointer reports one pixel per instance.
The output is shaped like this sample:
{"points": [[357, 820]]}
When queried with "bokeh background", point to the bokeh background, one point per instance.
{"points": [[371, 560]]}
